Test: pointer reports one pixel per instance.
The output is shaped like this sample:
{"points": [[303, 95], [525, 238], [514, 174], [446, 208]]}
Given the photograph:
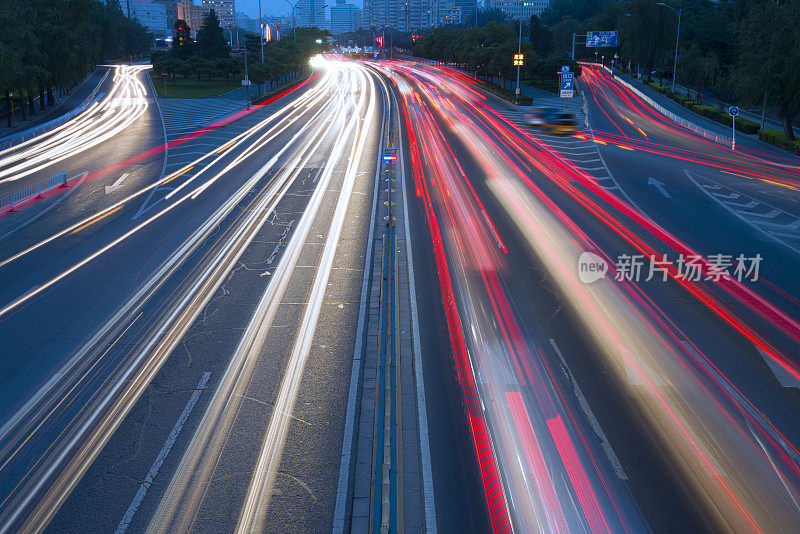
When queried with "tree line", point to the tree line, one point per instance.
{"points": [[50, 45], [489, 50], [210, 55], [733, 49]]}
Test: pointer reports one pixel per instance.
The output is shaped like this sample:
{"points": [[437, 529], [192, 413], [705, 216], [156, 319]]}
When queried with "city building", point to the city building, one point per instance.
{"points": [[246, 22], [190, 13], [310, 13], [343, 17], [524, 9], [171, 7], [153, 15], [224, 10], [415, 15]]}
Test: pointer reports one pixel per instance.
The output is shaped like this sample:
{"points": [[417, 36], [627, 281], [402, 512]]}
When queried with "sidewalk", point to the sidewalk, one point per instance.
{"points": [[63, 105]]}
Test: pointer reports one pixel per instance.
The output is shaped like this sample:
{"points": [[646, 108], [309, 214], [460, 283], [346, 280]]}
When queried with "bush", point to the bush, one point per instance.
{"points": [[743, 125], [507, 95], [658, 87], [778, 138]]}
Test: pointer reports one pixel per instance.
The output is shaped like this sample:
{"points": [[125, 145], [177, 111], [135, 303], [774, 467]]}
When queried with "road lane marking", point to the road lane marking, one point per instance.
{"points": [[225, 147], [785, 378], [176, 175], [96, 219], [593, 422], [116, 185], [658, 185], [422, 410], [162, 455]]}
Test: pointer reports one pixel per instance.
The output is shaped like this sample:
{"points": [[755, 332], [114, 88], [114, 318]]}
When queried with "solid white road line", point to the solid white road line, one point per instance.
{"points": [[162, 455], [349, 422], [422, 411], [593, 422]]}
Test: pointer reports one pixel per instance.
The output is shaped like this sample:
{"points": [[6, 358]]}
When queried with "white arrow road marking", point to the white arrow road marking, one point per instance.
{"points": [[117, 184], [658, 185], [784, 377]]}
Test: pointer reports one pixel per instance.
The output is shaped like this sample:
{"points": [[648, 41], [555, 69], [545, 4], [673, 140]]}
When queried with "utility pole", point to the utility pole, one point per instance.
{"points": [[677, 39]]}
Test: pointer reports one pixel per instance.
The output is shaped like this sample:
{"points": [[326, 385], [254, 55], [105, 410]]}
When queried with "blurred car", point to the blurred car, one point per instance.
{"points": [[552, 119], [539, 116]]}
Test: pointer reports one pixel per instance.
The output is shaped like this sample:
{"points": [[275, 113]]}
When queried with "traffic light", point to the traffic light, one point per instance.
{"points": [[519, 60]]}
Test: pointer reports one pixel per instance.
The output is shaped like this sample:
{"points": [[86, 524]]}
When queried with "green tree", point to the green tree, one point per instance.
{"points": [[182, 40], [778, 72], [211, 42]]}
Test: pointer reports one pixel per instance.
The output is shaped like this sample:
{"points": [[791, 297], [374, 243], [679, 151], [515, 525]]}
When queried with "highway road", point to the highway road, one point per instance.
{"points": [[184, 325], [608, 322], [666, 401]]}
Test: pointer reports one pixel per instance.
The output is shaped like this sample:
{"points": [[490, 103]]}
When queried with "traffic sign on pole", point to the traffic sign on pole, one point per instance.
{"points": [[733, 111], [602, 39], [164, 74], [567, 83]]}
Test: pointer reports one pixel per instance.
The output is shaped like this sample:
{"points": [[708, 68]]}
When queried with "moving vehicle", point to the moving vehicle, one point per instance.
{"points": [[552, 119]]}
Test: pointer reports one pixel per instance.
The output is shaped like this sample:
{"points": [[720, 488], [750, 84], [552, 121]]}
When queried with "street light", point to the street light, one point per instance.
{"points": [[261, 36], [677, 40], [519, 45], [294, 27]]}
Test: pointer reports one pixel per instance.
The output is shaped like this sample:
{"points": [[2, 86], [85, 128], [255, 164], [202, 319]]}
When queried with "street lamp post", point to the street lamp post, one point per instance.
{"points": [[246, 79], [519, 46], [261, 36], [677, 40], [294, 28]]}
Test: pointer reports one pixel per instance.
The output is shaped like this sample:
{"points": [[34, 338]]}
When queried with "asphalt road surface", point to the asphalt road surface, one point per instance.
{"points": [[608, 321]]}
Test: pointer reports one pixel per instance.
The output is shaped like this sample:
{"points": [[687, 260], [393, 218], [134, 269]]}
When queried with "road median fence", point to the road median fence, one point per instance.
{"points": [[16, 199]]}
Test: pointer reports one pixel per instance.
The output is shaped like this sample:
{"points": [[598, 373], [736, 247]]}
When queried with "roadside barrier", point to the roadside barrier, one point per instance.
{"points": [[13, 200]]}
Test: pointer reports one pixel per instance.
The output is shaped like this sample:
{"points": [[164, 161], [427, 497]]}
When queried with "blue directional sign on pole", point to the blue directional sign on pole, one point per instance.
{"points": [[602, 39], [567, 83]]}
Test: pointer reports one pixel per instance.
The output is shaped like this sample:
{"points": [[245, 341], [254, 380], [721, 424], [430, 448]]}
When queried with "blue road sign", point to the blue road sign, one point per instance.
{"points": [[368, 49], [602, 39], [733, 111], [567, 84]]}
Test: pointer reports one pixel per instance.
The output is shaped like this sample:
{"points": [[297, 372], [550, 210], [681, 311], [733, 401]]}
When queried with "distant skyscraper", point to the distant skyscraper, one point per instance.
{"points": [[171, 7], [224, 10], [152, 15], [516, 9], [404, 15], [310, 13], [343, 17], [191, 14]]}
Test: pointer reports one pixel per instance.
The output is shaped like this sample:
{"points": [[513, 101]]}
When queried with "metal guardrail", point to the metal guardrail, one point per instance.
{"points": [[26, 135], [705, 133], [13, 200]]}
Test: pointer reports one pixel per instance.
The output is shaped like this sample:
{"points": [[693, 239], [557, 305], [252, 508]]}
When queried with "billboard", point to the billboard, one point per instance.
{"points": [[602, 39]]}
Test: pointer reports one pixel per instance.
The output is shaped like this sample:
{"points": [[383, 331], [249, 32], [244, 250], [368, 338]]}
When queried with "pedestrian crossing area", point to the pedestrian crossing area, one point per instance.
{"points": [[770, 221], [580, 149], [185, 115]]}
